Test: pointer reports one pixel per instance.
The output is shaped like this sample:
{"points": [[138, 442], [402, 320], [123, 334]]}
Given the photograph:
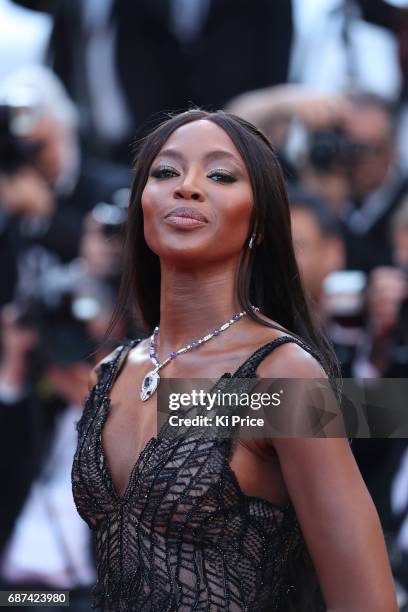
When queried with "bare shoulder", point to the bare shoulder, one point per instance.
{"points": [[290, 360]]}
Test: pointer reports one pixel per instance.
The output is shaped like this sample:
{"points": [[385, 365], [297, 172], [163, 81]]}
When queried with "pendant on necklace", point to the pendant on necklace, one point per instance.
{"points": [[149, 385]]}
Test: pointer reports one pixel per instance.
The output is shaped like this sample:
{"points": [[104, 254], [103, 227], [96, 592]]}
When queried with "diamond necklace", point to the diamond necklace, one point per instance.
{"points": [[152, 378]]}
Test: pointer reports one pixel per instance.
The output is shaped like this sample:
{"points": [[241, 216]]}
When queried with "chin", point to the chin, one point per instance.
{"points": [[179, 244]]}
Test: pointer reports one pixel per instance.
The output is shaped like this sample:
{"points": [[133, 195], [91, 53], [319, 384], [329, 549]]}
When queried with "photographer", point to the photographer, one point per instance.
{"points": [[349, 317], [343, 149], [46, 188], [101, 240], [387, 304], [48, 346], [360, 151], [100, 252], [319, 245]]}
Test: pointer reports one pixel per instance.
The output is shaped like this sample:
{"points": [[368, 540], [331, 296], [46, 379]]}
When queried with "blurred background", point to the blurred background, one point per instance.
{"points": [[80, 80]]}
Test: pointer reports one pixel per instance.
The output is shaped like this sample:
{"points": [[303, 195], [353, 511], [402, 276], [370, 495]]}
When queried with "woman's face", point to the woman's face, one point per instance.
{"points": [[197, 202]]}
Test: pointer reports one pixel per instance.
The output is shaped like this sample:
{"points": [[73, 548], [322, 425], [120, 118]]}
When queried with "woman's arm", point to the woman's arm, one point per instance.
{"points": [[335, 511]]}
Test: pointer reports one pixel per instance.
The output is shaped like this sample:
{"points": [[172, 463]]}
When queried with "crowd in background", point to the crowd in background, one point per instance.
{"points": [[80, 80]]}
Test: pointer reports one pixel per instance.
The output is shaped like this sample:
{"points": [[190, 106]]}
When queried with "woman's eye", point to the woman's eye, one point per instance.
{"points": [[163, 172], [222, 176]]}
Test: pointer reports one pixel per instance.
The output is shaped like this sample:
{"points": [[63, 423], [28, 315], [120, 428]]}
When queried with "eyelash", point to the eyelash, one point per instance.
{"points": [[164, 172], [226, 177]]}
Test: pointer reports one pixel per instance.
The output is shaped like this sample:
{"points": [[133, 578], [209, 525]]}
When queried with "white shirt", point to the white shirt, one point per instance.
{"points": [[24, 37], [319, 56]]}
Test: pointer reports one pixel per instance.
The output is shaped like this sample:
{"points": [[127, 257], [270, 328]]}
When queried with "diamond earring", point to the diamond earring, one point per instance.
{"points": [[251, 241]]}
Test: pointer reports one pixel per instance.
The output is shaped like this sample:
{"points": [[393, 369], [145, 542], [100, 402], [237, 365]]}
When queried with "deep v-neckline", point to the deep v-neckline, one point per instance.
{"points": [[120, 497], [116, 366], [104, 463]]}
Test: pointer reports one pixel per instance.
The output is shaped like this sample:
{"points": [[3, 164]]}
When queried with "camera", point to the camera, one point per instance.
{"points": [[15, 123], [330, 148], [60, 309]]}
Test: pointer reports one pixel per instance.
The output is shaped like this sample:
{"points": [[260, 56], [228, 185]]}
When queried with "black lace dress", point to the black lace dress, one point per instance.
{"points": [[184, 536]]}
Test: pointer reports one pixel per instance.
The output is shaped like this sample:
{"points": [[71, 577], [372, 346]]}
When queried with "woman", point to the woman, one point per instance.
{"points": [[204, 524]]}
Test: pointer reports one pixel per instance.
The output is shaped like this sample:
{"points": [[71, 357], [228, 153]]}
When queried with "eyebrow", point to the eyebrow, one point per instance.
{"points": [[211, 155]]}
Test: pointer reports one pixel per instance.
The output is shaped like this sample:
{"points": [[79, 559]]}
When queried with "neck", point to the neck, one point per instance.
{"points": [[195, 302]]}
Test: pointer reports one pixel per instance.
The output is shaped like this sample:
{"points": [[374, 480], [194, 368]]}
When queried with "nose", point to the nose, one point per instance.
{"points": [[189, 190]]}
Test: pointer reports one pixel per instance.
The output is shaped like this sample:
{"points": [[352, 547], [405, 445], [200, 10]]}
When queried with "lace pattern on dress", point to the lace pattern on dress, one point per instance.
{"points": [[184, 536]]}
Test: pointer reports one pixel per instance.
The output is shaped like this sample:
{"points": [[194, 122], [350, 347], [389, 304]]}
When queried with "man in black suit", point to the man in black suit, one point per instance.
{"points": [[238, 45], [377, 183], [351, 160], [169, 54]]}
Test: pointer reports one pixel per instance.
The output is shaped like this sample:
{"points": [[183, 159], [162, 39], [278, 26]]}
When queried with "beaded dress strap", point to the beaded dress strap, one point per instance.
{"points": [[249, 367], [110, 369]]}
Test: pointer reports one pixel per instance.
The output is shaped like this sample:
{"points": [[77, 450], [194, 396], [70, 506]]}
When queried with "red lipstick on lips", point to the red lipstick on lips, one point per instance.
{"points": [[186, 216]]}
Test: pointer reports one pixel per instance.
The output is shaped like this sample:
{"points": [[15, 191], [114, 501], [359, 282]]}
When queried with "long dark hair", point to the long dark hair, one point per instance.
{"points": [[270, 279]]}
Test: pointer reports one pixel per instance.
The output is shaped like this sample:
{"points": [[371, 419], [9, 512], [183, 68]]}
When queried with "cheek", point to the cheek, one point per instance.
{"points": [[146, 205], [235, 218], [147, 200], [152, 197], [150, 218], [369, 169]]}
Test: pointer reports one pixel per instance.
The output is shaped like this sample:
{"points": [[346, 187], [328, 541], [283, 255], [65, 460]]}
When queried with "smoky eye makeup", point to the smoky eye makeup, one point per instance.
{"points": [[163, 171], [222, 175]]}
